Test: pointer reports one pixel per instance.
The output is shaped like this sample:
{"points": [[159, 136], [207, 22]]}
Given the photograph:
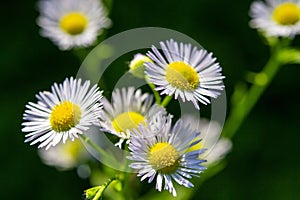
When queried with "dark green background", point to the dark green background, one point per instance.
{"points": [[265, 161]]}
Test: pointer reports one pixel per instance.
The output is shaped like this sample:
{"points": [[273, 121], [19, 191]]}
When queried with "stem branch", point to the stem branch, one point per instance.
{"points": [[155, 93], [244, 106], [166, 101]]}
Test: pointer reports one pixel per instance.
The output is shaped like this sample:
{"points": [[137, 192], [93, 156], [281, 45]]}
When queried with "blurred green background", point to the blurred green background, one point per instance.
{"points": [[264, 163]]}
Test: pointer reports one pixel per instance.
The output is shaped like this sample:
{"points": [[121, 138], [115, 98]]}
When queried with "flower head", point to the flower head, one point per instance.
{"points": [[128, 108], [65, 156], [164, 154], [187, 72], [70, 23], [68, 110], [276, 17]]}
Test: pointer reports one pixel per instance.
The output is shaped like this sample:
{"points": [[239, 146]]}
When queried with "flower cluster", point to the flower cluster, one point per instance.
{"points": [[159, 151]]}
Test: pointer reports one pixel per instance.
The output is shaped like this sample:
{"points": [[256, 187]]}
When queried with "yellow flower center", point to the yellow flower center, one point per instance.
{"points": [[164, 158], [73, 23], [127, 121], [287, 14], [65, 116], [181, 75]]}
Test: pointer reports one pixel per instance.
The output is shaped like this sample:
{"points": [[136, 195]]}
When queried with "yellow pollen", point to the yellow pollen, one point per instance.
{"points": [[127, 121], [164, 158], [73, 23], [65, 116], [287, 14], [183, 76]]}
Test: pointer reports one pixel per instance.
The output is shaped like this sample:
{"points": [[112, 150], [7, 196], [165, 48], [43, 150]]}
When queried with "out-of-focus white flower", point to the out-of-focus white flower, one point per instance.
{"points": [[276, 17], [65, 156], [72, 23], [217, 147]]}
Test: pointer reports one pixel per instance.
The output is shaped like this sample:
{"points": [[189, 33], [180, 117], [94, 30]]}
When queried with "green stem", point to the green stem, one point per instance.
{"points": [[290, 56], [155, 93], [166, 101], [242, 109]]}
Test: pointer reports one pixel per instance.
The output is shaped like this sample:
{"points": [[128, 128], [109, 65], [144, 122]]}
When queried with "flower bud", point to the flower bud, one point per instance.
{"points": [[137, 65]]}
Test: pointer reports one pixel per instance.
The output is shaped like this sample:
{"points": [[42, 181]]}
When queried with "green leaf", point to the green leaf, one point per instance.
{"points": [[92, 193], [95, 193], [118, 186]]}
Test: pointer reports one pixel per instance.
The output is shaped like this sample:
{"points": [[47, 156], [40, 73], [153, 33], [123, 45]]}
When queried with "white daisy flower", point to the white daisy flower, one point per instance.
{"points": [[276, 17], [217, 148], [163, 154], [185, 71], [72, 23], [65, 156], [68, 110], [128, 109]]}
